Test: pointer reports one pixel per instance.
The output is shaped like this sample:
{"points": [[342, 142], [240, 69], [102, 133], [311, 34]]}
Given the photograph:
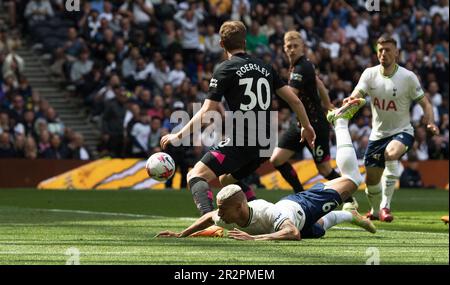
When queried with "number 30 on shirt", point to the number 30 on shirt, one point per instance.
{"points": [[257, 98]]}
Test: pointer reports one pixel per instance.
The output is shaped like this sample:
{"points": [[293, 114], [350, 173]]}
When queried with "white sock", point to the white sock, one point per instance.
{"points": [[346, 157], [389, 179], [373, 193], [336, 217]]}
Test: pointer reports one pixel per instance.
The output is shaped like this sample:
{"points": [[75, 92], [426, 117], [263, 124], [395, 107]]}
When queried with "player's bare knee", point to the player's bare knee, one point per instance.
{"points": [[276, 161], [224, 179], [191, 174]]}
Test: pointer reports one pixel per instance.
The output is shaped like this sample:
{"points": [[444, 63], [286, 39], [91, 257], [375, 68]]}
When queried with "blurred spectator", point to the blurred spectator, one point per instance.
{"points": [[256, 42], [141, 11], [13, 64], [420, 147], [176, 75], [38, 11], [356, 30], [44, 141], [189, 19], [81, 67], [410, 177], [54, 123], [6, 147], [139, 136], [155, 135], [212, 42], [112, 122], [77, 148], [56, 150], [30, 148]]}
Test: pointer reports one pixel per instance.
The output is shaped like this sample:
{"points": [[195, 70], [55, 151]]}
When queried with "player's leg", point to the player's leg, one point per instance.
{"points": [[321, 154], [337, 217], [198, 179], [394, 151], [346, 161], [323, 198], [288, 144], [279, 160], [373, 189]]}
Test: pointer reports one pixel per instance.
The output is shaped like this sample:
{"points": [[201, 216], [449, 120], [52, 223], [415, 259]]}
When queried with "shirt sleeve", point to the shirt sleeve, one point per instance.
{"points": [[416, 90], [299, 76], [276, 217], [363, 84], [217, 85]]}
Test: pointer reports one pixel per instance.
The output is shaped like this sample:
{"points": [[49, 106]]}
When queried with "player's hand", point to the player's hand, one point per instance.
{"points": [[167, 234], [239, 235], [309, 135], [330, 107], [168, 139], [433, 129]]}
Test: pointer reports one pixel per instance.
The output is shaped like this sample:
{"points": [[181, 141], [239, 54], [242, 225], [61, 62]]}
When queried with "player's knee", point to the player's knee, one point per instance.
{"points": [[391, 154], [225, 179], [276, 161], [191, 174]]}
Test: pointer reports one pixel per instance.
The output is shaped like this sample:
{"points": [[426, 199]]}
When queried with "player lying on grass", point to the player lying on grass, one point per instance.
{"points": [[301, 215]]}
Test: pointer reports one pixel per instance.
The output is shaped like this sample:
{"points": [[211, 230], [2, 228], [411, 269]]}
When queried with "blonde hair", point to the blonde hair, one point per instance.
{"points": [[232, 35], [292, 35], [228, 192]]}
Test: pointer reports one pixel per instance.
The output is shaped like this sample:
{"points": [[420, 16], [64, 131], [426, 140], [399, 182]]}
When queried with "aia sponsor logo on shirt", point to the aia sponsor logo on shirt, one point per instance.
{"points": [[385, 105]]}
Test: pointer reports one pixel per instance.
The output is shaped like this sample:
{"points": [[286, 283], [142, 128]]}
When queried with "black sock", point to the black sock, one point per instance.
{"points": [[248, 191], [202, 195], [333, 175], [289, 174]]}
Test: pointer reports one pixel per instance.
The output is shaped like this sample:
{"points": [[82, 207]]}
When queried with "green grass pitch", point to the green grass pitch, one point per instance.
{"points": [[117, 227]]}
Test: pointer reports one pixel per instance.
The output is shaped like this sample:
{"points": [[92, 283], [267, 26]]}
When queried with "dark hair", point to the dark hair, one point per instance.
{"points": [[232, 34], [386, 39]]}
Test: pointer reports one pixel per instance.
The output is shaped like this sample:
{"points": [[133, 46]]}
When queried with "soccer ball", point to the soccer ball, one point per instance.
{"points": [[160, 166]]}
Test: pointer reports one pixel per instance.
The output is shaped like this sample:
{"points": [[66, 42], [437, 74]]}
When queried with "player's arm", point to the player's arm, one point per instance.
{"points": [[323, 93], [428, 115], [362, 88], [288, 95], [287, 231], [202, 223], [208, 105]]}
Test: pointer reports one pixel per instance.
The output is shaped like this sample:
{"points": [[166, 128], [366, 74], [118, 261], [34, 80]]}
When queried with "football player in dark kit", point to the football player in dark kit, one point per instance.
{"points": [[247, 84], [311, 91]]}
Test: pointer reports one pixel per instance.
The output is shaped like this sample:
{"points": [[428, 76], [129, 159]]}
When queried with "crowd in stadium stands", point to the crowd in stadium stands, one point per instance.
{"points": [[135, 62]]}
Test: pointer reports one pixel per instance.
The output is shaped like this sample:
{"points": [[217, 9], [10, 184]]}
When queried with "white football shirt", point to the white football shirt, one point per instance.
{"points": [[266, 217], [391, 99]]}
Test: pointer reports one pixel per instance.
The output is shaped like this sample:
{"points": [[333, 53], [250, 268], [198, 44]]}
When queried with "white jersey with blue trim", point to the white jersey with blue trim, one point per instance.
{"points": [[266, 217], [391, 98]]}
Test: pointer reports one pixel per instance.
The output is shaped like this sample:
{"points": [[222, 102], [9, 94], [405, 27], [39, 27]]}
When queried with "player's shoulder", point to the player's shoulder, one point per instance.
{"points": [[373, 70], [304, 64], [406, 72], [259, 204]]}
